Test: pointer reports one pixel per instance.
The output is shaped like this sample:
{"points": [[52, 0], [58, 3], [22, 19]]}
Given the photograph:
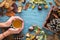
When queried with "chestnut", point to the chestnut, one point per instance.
{"points": [[31, 28], [15, 8], [39, 8]]}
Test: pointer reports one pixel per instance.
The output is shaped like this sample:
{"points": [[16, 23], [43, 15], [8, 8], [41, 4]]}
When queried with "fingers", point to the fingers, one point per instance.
{"points": [[15, 17], [11, 29], [22, 25], [15, 31], [18, 30]]}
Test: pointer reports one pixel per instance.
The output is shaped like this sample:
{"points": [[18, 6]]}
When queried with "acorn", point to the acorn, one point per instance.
{"points": [[39, 8], [33, 6], [20, 9], [27, 6], [24, 1], [28, 35], [37, 37], [6, 5], [50, 3], [32, 36], [27, 38], [46, 6]]}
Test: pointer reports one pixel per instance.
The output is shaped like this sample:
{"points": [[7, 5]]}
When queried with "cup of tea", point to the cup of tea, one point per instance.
{"points": [[17, 23]]}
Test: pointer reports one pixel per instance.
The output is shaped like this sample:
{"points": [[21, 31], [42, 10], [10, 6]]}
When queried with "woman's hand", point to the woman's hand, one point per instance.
{"points": [[10, 31], [14, 31], [9, 22], [16, 17]]}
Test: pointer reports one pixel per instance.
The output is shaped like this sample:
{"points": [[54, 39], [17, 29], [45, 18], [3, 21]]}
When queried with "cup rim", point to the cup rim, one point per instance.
{"points": [[20, 20]]}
